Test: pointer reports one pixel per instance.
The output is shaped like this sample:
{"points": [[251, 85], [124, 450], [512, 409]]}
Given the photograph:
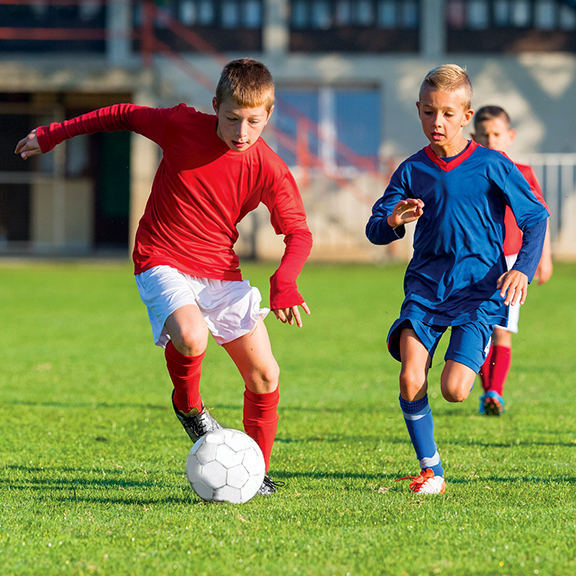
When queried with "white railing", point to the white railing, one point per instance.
{"points": [[557, 176]]}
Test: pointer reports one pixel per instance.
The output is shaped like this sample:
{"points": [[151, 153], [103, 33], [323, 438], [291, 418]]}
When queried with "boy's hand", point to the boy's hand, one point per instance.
{"points": [[289, 314], [544, 271], [513, 286], [28, 146], [406, 211]]}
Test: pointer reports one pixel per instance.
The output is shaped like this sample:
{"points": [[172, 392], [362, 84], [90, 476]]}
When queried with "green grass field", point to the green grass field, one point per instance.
{"points": [[92, 458]]}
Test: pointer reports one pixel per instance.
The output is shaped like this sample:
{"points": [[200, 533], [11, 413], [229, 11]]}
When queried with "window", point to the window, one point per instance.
{"points": [[329, 127], [230, 14], [84, 22], [478, 15], [379, 13], [510, 25], [545, 15], [354, 25], [224, 24]]}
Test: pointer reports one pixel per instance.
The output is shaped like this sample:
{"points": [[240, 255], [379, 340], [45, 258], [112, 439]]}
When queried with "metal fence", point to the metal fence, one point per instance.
{"points": [[557, 176]]}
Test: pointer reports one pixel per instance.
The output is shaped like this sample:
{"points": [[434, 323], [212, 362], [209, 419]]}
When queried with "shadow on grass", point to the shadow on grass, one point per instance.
{"points": [[318, 475], [45, 482], [515, 480], [345, 408], [353, 440], [91, 405]]}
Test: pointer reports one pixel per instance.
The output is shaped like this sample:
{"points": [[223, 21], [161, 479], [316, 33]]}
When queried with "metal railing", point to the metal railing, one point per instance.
{"points": [[557, 176]]}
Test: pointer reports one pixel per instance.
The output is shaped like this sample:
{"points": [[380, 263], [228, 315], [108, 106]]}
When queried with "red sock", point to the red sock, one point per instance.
{"points": [[185, 374], [261, 419], [501, 361], [486, 371]]}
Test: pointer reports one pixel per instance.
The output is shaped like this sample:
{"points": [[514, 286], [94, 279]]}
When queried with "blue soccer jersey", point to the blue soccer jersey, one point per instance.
{"points": [[458, 256]]}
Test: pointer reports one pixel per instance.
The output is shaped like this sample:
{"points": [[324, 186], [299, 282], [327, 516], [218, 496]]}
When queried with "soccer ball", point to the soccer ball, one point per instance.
{"points": [[225, 465]]}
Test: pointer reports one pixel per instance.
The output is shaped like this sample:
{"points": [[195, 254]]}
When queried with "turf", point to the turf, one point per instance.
{"points": [[92, 459]]}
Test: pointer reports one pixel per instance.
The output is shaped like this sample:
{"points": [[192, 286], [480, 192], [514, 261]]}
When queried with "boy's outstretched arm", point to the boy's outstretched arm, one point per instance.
{"points": [[28, 146]]}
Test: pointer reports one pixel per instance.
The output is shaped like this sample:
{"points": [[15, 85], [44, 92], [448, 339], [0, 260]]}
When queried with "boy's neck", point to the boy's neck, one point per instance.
{"points": [[451, 149]]}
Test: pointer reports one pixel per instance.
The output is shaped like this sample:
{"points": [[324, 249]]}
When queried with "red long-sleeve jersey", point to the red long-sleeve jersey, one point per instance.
{"points": [[513, 238], [201, 191]]}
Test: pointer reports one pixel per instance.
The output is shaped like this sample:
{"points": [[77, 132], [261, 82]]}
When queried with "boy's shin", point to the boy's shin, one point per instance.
{"points": [[261, 419], [185, 372]]}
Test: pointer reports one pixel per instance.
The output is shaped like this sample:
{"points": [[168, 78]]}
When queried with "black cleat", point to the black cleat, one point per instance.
{"points": [[196, 425], [269, 486]]}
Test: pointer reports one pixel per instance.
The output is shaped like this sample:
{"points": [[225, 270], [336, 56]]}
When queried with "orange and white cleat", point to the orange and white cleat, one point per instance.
{"points": [[426, 482]]}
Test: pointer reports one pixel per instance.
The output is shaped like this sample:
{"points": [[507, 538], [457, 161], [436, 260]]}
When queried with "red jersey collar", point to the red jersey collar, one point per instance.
{"points": [[447, 166]]}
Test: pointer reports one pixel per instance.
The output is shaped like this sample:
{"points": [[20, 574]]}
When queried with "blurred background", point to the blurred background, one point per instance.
{"points": [[347, 74]]}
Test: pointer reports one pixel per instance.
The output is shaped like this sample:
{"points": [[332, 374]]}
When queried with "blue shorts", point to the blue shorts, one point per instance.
{"points": [[469, 343]]}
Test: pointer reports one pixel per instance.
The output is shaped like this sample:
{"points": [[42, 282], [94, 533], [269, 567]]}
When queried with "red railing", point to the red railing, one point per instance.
{"points": [[304, 126]]}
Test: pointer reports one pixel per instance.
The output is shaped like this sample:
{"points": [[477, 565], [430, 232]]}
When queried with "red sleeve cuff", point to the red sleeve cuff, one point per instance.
{"points": [[283, 288], [41, 135], [283, 294]]}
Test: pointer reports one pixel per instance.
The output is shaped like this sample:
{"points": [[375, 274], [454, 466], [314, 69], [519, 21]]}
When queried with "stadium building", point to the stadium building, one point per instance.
{"points": [[347, 75]]}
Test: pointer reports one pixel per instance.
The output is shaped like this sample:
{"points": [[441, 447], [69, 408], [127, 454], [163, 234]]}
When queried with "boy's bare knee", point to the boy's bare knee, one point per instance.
{"points": [[264, 380], [455, 395], [456, 381], [411, 384], [456, 391], [190, 341]]}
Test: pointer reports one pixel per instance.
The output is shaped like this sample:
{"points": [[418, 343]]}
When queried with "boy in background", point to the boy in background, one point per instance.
{"points": [[456, 191], [492, 130], [215, 169]]}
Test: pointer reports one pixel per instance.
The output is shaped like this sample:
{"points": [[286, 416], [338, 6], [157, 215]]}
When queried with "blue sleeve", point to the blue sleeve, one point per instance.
{"points": [[531, 251], [378, 231]]}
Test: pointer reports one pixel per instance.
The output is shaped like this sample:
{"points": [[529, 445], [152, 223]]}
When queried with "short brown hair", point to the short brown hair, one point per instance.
{"points": [[489, 113], [449, 78], [247, 82]]}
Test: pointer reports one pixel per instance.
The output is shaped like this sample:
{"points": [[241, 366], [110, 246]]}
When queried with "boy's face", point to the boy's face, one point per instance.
{"points": [[240, 127], [495, 134], [443, 116]]}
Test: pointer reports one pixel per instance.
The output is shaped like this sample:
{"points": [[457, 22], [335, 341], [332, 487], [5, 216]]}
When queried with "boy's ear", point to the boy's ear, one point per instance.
{"points": [[215, 104], [467, 117], [270, 113], [512, 134]]}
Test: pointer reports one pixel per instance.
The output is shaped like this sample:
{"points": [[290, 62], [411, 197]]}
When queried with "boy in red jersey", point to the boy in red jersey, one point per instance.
{"points": [[492, 127], [214, 170]]}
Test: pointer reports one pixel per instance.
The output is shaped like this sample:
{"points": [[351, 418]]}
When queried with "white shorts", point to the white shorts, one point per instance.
{"points": [[513, 309], [230, 308]]}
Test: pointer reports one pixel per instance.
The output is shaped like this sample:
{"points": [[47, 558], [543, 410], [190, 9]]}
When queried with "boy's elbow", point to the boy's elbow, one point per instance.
{"points": [[370, 233], [376, 233]]}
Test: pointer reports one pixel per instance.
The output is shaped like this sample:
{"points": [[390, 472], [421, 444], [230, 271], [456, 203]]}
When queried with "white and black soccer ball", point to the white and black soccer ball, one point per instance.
{"points": [[225, 465]]}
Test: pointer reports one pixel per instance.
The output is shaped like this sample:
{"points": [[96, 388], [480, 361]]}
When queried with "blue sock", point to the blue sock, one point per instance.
{"points": [[420, 424]]}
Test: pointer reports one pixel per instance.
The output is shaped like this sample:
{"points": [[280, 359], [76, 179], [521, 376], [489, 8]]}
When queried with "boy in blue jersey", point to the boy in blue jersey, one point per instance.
{"points": [[457, 191]]}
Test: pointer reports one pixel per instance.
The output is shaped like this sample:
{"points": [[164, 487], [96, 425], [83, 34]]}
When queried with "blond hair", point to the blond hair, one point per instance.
{"points": [[449, 78], [247, 82]]}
